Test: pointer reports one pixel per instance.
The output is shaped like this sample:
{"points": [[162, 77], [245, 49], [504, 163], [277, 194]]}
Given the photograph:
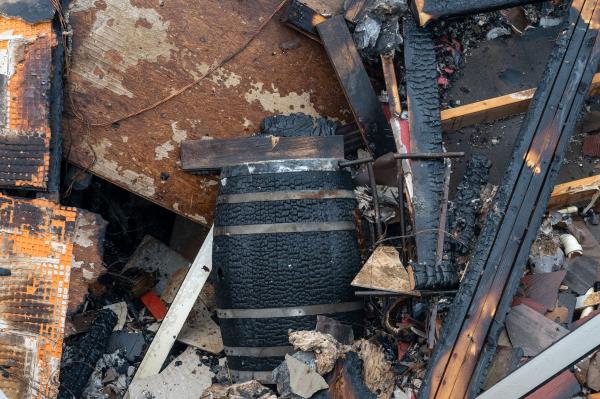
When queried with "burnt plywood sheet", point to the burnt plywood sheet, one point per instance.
{"points": [[129, 54], [36, 238], [25, 77]]}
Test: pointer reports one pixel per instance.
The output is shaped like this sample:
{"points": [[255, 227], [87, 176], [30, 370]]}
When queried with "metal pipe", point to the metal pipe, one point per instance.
{"points": [[430, 155], [347, 164], [373, 184]]}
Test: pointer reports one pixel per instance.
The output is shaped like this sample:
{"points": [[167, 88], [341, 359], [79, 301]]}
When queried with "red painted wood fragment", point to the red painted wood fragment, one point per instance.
{"points": [[154, 304]]}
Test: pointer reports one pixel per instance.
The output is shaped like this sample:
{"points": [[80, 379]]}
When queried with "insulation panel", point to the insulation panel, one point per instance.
{"points": [[36, 241]]}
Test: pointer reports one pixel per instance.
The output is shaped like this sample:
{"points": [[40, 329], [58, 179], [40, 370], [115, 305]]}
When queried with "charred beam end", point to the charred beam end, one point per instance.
{"points": [[303, 19], [78, 367], [469, 333], [427, 11], [355, 82], [428, 175]]}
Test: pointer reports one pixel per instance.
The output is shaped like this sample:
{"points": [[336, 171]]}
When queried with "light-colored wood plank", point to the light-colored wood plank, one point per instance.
{"points": [[574, 192], [495, 108], [548, 363], [178, 312], [532, 331]]}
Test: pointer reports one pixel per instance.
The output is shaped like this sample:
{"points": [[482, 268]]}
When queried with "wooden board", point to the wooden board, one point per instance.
{"points": [[505, 361], [563, 386], [532, 331], [365, 105], [205, 155], [574, 192], [543, 287], [548, 363], [128, 55], [479, 309], [495, 108], [425, 136], [178, 313]]}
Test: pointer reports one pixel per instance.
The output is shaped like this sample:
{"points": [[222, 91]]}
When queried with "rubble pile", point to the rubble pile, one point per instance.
{"points": [[357, 199]]}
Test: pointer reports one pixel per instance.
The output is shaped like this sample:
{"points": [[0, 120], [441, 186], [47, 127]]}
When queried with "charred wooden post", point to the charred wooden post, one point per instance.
{"points": [[471, 328], [427, 11], [428, 174], [356, 85]]}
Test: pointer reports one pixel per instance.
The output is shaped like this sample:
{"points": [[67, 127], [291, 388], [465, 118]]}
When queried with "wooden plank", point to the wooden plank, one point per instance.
{"points": [[207, 155], [427, 11], [351, 73], [591, 299], [574, 192], [121, 64], [532, 331], [547, 364], [178, 312], [543, 287], [488, 288], [495, 108], [505, 361], [425, 136], [563, 386]]}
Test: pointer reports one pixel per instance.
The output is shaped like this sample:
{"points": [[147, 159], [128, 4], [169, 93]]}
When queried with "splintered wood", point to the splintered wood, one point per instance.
{"points": [[25, 77], [37, 246]]}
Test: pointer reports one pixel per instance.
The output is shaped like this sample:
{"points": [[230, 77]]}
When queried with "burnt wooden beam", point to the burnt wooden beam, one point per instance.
{"points": [[427, 175], [427, 11], [304, 19], [471, 329], [355, 82], [209, 155]]}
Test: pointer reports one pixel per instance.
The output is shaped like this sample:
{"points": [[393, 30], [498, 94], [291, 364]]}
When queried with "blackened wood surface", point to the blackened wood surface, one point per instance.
{"points": [[426, 11], [568, 111], [355, 82], [207, 155], [487, 290], [425, 136]]}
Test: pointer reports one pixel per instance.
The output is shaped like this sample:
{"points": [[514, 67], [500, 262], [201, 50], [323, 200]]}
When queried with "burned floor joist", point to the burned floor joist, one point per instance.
{"points": [[427, 11], [471, 328], [428, 175]]}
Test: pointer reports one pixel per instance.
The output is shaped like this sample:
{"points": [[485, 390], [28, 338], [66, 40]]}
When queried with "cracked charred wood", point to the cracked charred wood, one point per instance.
{"points": [[427, 11], [466, 206], [427, 175], [304, 19], [77, 367], [355, 82], [471, 329]]}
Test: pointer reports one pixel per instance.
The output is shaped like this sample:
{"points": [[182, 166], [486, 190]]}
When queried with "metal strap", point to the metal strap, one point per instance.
{"points": [[282, 228], [282, 166], [284, 195], [265, 351], [266, 377], [289, 312]]}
